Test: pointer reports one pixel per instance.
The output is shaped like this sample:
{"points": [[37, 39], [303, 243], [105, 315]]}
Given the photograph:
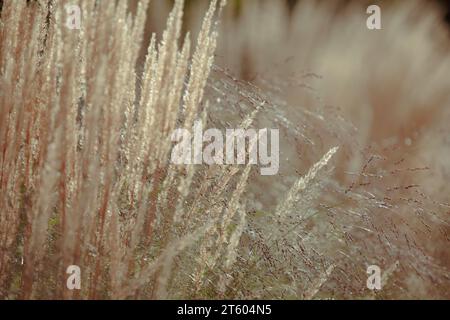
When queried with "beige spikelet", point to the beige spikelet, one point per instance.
{"points": [[302, 183]]}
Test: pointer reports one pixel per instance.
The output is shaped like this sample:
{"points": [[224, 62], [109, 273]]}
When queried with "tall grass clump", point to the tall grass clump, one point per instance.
{"points": [[86, 119], [85, 143]]}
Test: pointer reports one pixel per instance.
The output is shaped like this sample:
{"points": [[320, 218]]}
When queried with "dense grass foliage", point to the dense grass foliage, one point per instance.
{"points": [[86, 118]]}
